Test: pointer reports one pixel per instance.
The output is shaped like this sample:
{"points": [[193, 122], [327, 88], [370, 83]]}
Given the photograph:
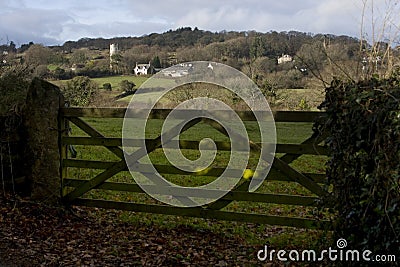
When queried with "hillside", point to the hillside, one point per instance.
{"points": [[273, 60]]}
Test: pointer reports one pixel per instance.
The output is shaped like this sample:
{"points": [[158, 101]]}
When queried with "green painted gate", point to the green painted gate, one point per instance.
{"points": [[105, 183]]}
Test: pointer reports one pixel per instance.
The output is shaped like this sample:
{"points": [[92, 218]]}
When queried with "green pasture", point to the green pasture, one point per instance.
{"points": [[116, 80], [144, 97], [286, 133], [113, 80]]}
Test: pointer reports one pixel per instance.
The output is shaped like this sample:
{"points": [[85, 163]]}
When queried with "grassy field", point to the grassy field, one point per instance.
{"points": [[116, 90], [146, 96], [113, 80], [257, 234]]}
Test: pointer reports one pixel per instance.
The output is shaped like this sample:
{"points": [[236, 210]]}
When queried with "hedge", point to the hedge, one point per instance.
{"points": [[363, 126]]}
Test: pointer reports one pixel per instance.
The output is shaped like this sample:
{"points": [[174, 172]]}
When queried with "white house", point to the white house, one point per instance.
{"points": [[142, 69], [284, 59], [5, 53]]}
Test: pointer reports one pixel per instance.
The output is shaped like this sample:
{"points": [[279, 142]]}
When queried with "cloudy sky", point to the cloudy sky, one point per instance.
{"points": [[53, 22]]}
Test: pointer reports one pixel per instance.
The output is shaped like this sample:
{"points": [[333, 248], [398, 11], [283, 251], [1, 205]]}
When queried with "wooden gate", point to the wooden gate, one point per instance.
{"points": [[78, 188]]}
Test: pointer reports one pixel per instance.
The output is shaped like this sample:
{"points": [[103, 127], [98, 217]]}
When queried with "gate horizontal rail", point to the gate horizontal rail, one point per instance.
{"points": [[187, 144], [195, 192], [206, 213], [279, 116]]}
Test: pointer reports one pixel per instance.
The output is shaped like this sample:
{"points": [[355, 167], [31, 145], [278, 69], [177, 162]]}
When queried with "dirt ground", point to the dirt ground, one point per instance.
{"points": [[33, 234]]}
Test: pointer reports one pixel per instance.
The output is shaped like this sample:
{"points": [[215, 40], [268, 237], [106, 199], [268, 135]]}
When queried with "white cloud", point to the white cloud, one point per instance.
{"points": [[54, 22], [330, 16], [25, 24]]}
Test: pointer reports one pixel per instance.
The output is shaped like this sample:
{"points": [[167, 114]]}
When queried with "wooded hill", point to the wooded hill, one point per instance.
{"points": [[313, 56], [274, 43]]}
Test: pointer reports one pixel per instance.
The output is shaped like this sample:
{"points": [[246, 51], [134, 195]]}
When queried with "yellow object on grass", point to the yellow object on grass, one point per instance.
{"points": [[247, 174]]}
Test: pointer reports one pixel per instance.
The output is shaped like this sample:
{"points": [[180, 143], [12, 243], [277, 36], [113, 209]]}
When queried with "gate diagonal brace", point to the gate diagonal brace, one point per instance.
{"points": [[315, 139], [279, 163], [94, 133], [121, 165]]}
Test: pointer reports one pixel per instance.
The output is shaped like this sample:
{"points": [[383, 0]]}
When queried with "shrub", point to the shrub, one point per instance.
{"points": [[364, 128], [80, 91], [303, 104], [126, 85], [62, 74], [107, 86], [14, 83], [41, 71]]}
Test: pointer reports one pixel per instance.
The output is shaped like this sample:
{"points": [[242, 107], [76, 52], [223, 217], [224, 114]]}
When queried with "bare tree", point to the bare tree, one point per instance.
{"points": [[384, 24]]}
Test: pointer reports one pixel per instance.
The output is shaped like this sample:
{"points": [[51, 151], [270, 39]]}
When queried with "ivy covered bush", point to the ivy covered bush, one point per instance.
{"points": [[364, 138], [14, 83]]}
